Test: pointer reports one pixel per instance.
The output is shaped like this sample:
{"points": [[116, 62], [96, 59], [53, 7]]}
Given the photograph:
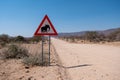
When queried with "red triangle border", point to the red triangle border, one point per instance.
{"points": [[40, 34]]}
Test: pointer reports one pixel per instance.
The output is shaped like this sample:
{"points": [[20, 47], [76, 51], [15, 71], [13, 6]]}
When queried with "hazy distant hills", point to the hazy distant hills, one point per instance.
{"points": [[105, 32]]}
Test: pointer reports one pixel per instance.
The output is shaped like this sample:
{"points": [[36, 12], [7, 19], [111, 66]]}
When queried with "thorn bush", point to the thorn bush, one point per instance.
{"points": [[14, 51], [33, 60]]}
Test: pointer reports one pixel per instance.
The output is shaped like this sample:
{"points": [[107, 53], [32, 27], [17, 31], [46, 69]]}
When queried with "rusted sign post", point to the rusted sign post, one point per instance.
{"points": [[45, 28]]}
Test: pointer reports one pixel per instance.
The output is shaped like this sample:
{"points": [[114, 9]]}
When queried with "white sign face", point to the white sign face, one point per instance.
{"points": [[45, 28]]}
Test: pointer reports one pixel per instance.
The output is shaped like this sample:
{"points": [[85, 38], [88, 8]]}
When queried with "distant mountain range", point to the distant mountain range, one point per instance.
{"points": [[105, 32]]}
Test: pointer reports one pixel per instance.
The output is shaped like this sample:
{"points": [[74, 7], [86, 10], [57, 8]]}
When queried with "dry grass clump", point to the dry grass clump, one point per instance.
{"points": [[36, 60], [14, 52]]}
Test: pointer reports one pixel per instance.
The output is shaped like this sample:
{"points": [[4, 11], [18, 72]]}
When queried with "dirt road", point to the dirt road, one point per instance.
{"points": [[89, 61]]}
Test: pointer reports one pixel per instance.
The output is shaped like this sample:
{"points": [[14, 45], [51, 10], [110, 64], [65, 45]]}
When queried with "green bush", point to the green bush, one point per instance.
{"points": [[36, 60], [15, 51]]}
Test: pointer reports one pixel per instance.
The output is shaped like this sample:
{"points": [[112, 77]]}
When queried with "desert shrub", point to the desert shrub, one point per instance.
{"points": [[19, 39], [14, 51], [4, 38], [72, 38], [36, 39], [118, 37], [3, 44], [113, 36], [36, 60], [91, 36]]}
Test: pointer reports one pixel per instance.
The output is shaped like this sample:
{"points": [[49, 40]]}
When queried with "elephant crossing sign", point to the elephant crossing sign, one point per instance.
{"points": [[45, 28]]}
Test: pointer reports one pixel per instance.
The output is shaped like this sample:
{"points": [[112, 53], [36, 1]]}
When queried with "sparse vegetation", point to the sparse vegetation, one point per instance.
{"points": [[72, 39], [19, 39], [17, 52], [36, 39], [36, 60], [4, 39], [14, 52], [114, 36], [3, 44], [91, 36], [94, 36]]}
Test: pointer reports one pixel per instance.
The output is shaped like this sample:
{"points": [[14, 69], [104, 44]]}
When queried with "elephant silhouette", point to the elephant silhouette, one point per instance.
{"points": [[45, 28]]}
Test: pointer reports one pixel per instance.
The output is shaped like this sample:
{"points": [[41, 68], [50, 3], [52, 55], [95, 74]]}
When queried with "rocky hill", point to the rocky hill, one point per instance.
{"points": [[105, 32]]}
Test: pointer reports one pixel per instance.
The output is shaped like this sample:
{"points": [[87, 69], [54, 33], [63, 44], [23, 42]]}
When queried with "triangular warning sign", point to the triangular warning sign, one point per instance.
{"points": [[45, 28]]}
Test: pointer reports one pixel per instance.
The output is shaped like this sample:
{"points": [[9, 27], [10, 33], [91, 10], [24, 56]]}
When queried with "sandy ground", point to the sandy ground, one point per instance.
{"points": [[89, 61], [14, 69], [69, 61]]}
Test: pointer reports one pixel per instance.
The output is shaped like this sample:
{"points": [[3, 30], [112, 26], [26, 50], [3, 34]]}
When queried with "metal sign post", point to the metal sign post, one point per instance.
{"points": [[49, 49], [42, 48], [45, 28]]}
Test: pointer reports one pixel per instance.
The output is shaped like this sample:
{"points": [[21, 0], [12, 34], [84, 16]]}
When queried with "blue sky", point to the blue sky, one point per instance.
{"points": [[22, 17]]}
